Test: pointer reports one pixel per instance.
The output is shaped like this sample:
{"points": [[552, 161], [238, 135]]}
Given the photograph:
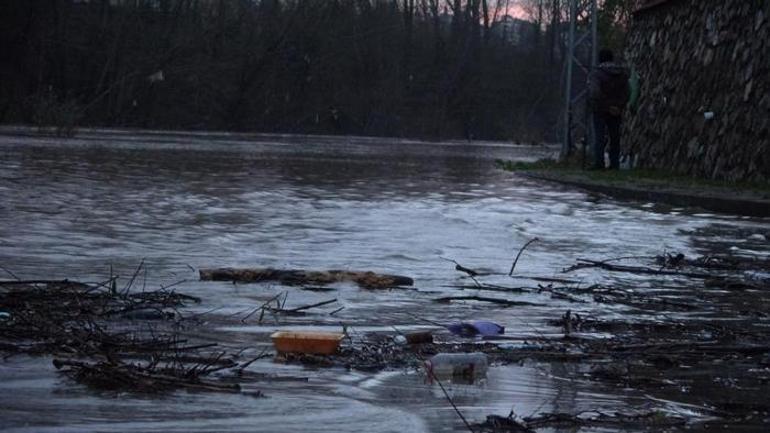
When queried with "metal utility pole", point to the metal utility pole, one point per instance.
{"points": [[582, 54]]}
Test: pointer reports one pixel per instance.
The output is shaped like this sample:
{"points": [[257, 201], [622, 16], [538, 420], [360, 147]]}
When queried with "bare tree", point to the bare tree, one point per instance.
{"points": [[432, 68]]}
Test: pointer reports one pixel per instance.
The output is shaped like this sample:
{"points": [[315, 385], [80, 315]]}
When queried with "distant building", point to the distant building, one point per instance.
{"points": [[515, 31]]}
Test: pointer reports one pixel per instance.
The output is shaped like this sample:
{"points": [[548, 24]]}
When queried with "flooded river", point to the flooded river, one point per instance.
{"points": [[181, 201]]}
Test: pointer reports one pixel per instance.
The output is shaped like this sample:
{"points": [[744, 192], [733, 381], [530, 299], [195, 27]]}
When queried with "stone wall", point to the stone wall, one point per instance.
{"points": [[697, 57]]}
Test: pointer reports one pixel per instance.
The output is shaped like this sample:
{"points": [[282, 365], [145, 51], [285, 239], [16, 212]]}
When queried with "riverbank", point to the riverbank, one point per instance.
{"points": [[654, 186]]}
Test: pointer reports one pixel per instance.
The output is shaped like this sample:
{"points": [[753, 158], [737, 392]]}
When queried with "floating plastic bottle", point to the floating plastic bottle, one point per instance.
{"points": [[452, 365]]}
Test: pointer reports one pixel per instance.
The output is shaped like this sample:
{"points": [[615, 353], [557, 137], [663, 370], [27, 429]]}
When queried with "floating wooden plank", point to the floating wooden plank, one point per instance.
{"points": [[369, 280]]}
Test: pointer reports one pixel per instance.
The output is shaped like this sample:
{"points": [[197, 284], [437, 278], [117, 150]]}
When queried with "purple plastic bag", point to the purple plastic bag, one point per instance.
{"points": [[476, 327], [488, 328]]}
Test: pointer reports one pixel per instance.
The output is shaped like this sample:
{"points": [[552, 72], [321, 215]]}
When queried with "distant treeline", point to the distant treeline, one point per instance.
{"points": [[421, 68]]}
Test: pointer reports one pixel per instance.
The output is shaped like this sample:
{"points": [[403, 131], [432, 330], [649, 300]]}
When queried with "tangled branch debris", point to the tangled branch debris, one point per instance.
{"points": [[93, 333], [651, 419], [721, 341]]}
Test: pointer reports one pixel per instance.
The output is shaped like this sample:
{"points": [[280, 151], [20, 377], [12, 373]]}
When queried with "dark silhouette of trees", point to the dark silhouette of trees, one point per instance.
{"points": [[423, 68]]}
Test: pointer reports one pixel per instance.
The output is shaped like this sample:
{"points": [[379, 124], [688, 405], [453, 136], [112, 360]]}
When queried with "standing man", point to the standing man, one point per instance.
{"points": [[609, 93]]}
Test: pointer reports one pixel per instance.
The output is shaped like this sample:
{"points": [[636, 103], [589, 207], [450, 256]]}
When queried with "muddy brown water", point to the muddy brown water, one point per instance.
{"points": [[181, 201]]}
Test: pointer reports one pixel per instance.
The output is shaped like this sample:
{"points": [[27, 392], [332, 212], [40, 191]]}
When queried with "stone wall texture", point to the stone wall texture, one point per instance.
{"points": [[697, 57]]}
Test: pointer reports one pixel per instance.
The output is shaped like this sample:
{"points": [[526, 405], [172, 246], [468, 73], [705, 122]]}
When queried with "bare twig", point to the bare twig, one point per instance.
{"points": [[262, 355], [10, 273], [261, 308], [133, 277], [483, 299], [516, 260], [461, 268], [307, 307]]}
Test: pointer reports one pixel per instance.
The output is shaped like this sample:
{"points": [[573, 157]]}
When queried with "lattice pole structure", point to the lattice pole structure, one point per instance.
{"points": [[582, 55]]}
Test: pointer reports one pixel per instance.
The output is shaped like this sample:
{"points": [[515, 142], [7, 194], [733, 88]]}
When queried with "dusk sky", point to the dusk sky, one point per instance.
{"points": [[516, 11]]}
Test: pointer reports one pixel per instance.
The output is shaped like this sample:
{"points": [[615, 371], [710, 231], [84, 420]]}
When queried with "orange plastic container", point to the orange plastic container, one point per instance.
{"points": [[315, 343]]}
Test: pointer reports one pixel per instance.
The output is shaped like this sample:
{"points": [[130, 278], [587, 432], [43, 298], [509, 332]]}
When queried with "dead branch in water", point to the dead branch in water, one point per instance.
{"points": [[93, 333], [150, 378], [516, 260], [461, 268], [596, 418], [505, 302], [494, 288], [300, 310], [587, 263]]}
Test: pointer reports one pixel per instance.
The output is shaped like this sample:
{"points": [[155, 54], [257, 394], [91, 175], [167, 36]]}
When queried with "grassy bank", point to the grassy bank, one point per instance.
{"points": [[653, 186], [636, 178]]}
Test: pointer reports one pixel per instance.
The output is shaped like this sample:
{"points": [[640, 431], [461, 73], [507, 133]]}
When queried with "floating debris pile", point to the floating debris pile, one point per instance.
{"points": [[98, 336]]}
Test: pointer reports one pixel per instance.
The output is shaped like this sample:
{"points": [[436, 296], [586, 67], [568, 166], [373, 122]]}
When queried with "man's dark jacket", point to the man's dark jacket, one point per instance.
{"points": [[609, 88]]}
